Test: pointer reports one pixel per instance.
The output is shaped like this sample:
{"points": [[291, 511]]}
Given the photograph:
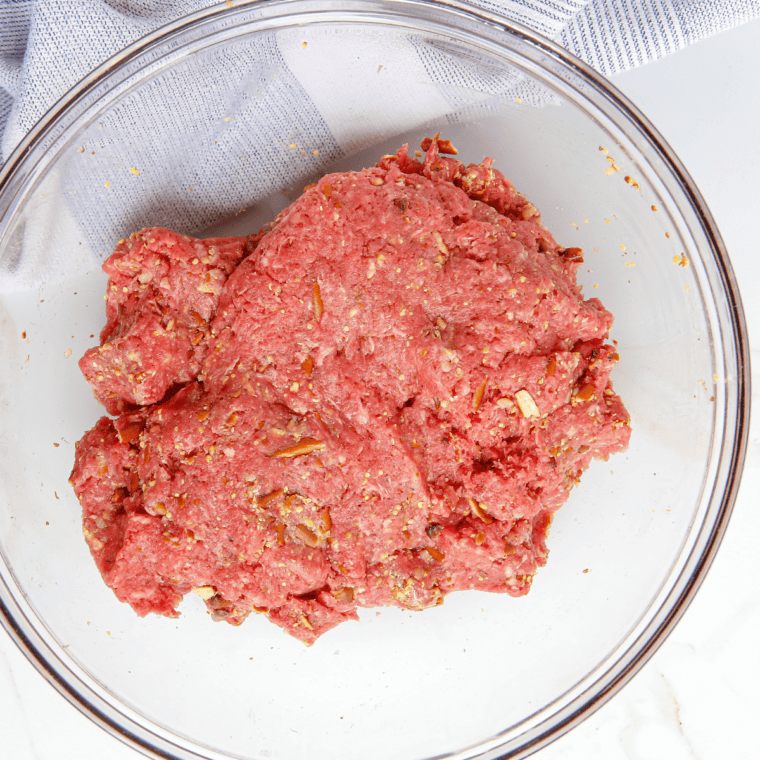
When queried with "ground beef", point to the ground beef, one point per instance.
{"points": [[163, 290], [380, 399]]}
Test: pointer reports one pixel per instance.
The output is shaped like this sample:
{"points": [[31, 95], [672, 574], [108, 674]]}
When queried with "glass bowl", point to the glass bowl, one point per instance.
{"points": [[214, 123]]}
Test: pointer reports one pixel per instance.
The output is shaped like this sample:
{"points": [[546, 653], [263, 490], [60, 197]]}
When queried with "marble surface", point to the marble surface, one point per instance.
{"points": [[697, 698]]}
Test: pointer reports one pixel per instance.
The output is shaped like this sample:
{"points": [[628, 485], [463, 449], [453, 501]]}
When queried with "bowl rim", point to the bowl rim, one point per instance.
{"points": [[731, 458]]}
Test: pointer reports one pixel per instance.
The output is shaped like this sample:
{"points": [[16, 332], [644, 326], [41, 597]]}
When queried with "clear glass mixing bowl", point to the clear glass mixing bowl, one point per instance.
{"points": [[212, 124]]}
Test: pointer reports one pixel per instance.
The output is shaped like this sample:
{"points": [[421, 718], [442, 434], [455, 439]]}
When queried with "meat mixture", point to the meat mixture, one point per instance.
{"points": [[379, 399]]}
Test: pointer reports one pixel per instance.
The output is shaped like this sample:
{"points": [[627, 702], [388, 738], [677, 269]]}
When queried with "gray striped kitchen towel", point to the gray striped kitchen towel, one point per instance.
{"points": [[46, 46]]}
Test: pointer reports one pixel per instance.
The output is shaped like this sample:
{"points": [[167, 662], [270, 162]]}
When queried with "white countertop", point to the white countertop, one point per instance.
{"points": [[698, 696]]}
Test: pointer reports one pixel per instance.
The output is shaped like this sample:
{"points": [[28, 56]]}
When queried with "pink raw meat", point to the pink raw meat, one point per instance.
{"points": [[392, 392]]}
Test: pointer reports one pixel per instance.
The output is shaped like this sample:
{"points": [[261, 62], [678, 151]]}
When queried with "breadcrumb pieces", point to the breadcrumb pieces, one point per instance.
{"points": [[682, 260]]}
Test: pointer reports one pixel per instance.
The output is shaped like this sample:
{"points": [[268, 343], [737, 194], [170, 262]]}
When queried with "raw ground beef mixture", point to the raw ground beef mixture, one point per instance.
{"points": [[379, 399]]}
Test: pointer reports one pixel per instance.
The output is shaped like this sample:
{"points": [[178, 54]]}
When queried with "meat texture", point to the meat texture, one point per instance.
{"points": [[380, 399]]}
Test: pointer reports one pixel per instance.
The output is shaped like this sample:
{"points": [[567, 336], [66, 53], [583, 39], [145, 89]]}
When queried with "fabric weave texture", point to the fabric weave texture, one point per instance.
{"points": [[47, 46]]}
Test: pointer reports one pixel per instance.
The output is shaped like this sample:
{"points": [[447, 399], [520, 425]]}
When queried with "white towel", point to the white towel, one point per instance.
{"points": [[47, 46]]}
